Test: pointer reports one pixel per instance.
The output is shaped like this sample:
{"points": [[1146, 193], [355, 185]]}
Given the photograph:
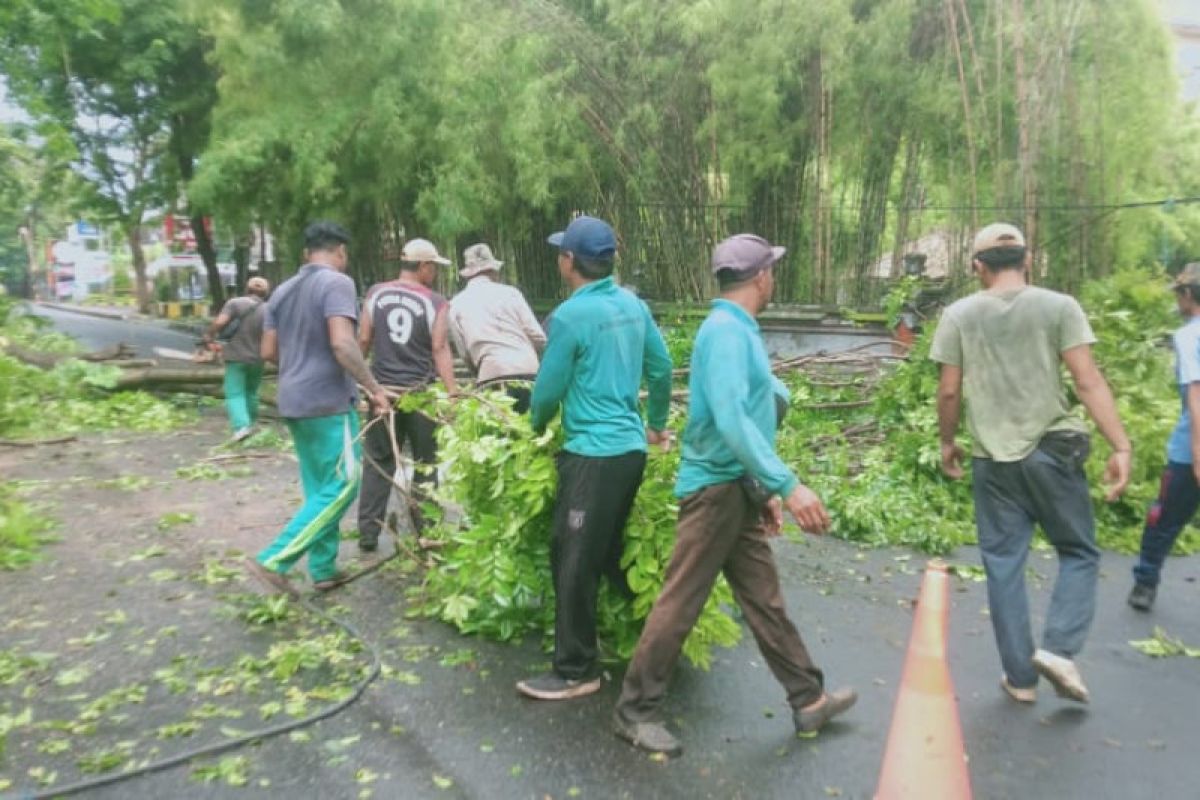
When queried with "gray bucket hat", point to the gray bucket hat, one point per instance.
{"points": [[478, 258]]}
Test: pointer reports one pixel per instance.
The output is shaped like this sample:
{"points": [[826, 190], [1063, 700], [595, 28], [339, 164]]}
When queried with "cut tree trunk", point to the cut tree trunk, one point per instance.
{"points": [[38, 358], [136, 373]]}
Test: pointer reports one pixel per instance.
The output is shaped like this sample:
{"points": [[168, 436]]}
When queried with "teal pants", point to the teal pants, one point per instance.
{"points": [[330, 467], [241, 393]]}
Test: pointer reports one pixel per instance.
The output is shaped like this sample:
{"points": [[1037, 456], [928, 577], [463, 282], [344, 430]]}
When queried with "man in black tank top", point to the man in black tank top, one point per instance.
{"points": [[404, 331]]}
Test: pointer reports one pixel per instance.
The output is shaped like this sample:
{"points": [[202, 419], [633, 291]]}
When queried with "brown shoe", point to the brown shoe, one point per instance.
{"points": [[272, 581], [337, 580]]}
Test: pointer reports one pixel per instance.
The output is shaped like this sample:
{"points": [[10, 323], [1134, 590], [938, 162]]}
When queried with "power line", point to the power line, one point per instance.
{"points": [[1015, 207]]}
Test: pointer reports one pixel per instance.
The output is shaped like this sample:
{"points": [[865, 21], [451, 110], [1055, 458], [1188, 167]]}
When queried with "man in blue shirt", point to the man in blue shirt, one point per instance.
{"points": [[1179, 496], [730, 483], [602, 342]]}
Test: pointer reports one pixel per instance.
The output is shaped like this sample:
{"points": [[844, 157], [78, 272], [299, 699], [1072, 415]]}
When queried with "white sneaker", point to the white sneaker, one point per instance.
{"points": [[1063, 675], [241, 434], [1022, 694]]}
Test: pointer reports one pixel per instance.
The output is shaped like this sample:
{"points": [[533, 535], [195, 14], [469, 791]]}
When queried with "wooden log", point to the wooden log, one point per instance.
{"points": [[39, 358]]}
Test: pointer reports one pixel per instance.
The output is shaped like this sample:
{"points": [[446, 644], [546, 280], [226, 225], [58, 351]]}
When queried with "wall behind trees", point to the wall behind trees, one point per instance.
{"points": [[844, 129]]}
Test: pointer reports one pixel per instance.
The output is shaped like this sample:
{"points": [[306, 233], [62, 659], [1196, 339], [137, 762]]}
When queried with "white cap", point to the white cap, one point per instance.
{"points": [[419, 250]]}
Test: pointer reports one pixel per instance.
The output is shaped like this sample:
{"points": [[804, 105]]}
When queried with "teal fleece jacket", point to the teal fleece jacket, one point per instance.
{"points": [[731, 411], [602, 341]]}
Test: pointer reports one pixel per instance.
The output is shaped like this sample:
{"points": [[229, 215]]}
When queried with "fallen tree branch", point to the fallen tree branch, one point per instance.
{"points": [[35, 442], [39, 358]]}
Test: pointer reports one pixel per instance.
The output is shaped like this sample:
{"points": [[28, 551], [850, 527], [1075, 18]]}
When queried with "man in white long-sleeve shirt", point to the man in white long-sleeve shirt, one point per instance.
{"points": [[494, 327]]}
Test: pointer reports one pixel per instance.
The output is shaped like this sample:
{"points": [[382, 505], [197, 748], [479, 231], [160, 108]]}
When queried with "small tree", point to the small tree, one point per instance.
{"points": [[126, 86]]}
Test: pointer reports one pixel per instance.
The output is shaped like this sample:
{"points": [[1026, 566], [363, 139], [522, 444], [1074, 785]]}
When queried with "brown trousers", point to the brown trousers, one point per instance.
{"points": [[719, 531]]}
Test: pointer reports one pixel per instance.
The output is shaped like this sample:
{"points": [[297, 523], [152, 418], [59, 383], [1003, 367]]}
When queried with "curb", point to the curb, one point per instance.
{"points": [[87, 312]]}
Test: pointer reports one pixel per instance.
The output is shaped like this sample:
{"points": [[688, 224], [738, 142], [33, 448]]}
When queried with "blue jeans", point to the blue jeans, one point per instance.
{"points": [[1178, 499], [1047, 487]]}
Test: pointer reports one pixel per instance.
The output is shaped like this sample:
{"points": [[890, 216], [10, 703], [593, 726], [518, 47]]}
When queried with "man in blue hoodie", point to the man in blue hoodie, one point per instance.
{"points": [[732, 489], [602, 342]]}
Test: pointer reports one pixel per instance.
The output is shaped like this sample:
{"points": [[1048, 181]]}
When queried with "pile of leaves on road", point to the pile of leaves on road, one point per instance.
{"points": [[493, 575], [71, 397], [38, 404], [23, 530], [865, 438]]}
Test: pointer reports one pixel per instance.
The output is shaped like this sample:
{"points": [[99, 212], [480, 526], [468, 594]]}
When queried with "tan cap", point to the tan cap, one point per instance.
{"points": [[998, 234], [258, 284], [478, 258], [419, 250], [1189, 275]]}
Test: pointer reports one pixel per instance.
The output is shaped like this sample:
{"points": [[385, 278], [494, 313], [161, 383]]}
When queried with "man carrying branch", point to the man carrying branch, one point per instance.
{"points": [[404, 331], [1006, 345], [309, 332], [730, 487], [602, 343]]}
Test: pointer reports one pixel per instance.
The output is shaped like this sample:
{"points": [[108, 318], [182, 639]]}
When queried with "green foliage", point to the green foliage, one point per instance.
{"points": [[23, 531], [72, 397], [1133, 316], [233, 770], [141, 68], [680, 335], [265, 610], [899, 296], [493, 576], [10, 722], [891, 491], [1163, 645]]}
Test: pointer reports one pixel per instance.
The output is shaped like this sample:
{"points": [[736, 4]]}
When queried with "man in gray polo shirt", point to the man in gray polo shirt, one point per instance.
{"points": [[309, 332]]}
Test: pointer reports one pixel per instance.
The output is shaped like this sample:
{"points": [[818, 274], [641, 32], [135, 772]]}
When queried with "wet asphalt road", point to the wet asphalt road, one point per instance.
{"points": [[96, 332], [1136, 740]]}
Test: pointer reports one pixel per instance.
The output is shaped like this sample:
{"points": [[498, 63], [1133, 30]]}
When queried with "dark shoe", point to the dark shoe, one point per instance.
{"points": [[1142, 597], [271, 580], [1063, 675], [552, 687], [332, 583], [368, 545], [649, 736], [812, 718]]}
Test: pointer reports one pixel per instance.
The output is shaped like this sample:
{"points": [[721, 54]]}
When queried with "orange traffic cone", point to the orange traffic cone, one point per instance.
{"points": [[924, 756]]}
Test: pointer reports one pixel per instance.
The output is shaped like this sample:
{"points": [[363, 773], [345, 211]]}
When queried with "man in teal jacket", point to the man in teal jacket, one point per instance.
{"points": [[602, 342], [730, 484]]}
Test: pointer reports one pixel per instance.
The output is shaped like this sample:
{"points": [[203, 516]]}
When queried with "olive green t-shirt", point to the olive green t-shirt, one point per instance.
{"points": [[1009, 346]]}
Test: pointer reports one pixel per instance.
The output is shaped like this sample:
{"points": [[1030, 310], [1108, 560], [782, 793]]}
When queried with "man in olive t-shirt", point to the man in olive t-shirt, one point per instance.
{"points": [[1005, 346]]}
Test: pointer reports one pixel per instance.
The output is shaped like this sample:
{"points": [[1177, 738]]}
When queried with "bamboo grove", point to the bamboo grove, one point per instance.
{"points": [[853, 131]]}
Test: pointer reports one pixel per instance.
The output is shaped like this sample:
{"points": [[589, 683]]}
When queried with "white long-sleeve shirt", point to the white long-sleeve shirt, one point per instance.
{"points": [[496, 330]]}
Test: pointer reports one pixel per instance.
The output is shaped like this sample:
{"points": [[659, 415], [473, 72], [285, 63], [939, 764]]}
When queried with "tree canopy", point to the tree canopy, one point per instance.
{"points": [[846, 130], [126, 89]]}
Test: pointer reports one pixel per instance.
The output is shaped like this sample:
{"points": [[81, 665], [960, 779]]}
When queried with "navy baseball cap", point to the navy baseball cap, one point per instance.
{"points": [[586, 237]]}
